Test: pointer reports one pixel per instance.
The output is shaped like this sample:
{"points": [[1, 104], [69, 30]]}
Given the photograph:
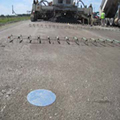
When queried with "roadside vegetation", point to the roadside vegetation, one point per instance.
{"points": [[11, 19]]}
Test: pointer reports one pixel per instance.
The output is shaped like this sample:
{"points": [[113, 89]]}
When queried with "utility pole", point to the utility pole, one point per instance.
{"points": [[13, 12]]}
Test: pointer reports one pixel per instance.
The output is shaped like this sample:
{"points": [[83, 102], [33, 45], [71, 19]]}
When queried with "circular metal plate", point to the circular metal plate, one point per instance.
{"points": [[41, 97]]}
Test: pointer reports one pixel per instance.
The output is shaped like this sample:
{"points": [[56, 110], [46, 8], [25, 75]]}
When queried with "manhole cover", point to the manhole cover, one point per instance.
{"points": [[41, 97]]}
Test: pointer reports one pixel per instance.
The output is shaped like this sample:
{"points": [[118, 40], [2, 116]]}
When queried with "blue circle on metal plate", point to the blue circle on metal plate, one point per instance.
{"points": [[41, 97]]}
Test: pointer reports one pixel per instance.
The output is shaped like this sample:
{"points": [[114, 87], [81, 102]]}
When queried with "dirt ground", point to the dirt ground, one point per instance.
{"points": [[85, 77]]}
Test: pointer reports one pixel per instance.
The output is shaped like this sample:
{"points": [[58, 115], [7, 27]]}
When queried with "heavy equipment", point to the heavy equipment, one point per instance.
{"points": [[61, 10], [112, 11]]}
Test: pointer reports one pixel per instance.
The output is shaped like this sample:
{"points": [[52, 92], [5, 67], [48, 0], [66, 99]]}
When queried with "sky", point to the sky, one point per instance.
{"points": [[22, 6]]}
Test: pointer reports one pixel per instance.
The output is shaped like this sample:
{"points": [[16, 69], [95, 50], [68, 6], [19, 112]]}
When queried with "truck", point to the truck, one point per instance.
{"points": [[61, 9], [112, 12]]}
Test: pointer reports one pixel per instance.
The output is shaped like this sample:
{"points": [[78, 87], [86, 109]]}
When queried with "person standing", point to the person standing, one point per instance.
{"points": [[92, 19], [102, 19]]}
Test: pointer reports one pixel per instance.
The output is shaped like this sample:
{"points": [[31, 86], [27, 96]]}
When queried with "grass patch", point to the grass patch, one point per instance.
{"points": [[4, 20]]}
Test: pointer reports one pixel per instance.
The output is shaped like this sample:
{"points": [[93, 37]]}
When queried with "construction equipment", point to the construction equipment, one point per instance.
{"points": [[112, 11], [96, 18], [64, 10]]}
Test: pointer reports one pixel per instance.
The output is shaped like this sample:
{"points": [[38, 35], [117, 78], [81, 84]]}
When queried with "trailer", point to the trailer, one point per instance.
{"points": [[112, 11], [60, 9]]}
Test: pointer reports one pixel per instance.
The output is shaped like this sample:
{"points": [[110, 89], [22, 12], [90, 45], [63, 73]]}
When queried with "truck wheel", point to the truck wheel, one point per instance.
{"points": [[33, 17], [119, 23]]}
